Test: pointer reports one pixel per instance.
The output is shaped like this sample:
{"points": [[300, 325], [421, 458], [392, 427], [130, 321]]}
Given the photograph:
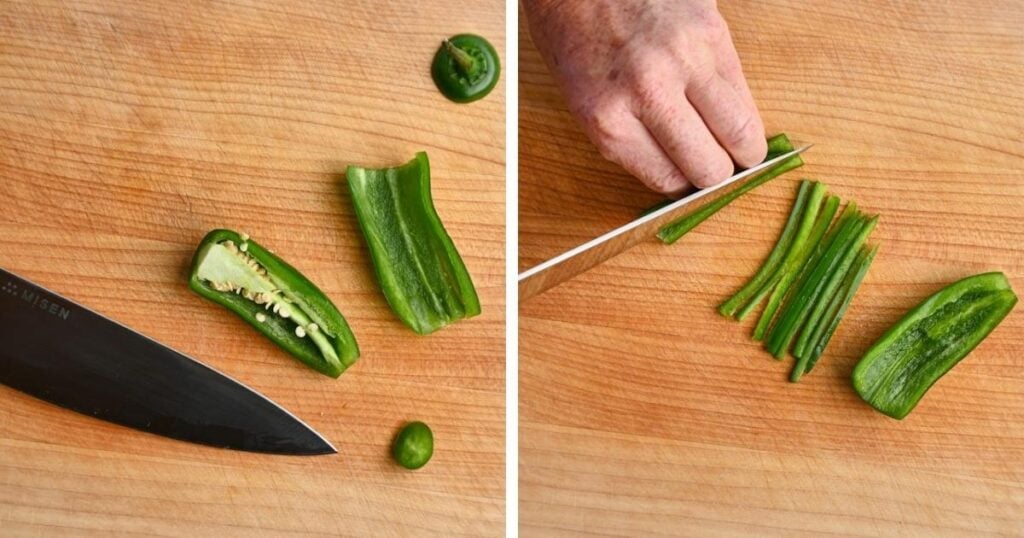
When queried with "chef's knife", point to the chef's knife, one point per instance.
{"points": [[577, 260], [66, 354]]}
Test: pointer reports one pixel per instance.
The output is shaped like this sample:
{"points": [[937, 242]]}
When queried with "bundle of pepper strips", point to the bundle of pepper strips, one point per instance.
{"points": [[809, 278]]}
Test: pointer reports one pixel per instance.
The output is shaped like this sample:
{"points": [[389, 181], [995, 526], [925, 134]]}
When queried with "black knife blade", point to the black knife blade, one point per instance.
{"points": [[59, 351]]}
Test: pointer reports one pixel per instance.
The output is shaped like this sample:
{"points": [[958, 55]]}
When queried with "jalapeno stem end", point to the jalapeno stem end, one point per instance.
{"points": [[464, 61]]}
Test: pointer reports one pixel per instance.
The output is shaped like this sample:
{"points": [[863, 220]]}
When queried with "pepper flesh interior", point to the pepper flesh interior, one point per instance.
{"points": [[228, 269], [929, 341]]}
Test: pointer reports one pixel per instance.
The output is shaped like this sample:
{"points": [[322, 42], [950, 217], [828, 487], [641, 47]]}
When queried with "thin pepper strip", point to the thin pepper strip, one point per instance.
{"points": [[777, 145], [930, 340], [819, 280], [843, 300], [795, 259], [778, 252], [807, 218], [831, 304], [239, 274], [419, 270], [794, 279], [831, 284]]}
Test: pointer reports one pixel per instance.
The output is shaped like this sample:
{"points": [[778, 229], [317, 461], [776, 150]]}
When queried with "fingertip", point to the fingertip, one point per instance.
{"points": [[715, 169], [753, 151], [679, 193], [673, 184]]}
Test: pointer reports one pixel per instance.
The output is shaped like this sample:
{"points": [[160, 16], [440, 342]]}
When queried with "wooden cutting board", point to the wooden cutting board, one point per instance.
{"points": [[127, 131], [643, 412]]}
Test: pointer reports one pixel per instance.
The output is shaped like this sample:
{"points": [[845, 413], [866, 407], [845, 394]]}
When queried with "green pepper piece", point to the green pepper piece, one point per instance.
{"points": [[755, 290], [932, 338], [777, 145], [793, 264], [833, 280], [841, 301], [832, 264], [808, 218], [237, 273], [768, 267], [413, 446], [842, 225], [417, 265], [466, 68]]}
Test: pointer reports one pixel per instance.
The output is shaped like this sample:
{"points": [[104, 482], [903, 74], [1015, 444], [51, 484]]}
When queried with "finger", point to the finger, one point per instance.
{"points": [[737, 128], [624, 140], [634, 148], [685, 138], [728, 66]]}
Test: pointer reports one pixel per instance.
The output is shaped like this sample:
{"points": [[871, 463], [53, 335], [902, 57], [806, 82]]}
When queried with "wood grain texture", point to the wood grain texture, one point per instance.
{"points": [[127, 131], [643, 412]]}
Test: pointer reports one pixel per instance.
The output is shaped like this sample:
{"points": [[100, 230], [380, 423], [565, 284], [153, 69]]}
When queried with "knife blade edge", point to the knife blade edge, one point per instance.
{"points": [[659, 217], [153, 341]]}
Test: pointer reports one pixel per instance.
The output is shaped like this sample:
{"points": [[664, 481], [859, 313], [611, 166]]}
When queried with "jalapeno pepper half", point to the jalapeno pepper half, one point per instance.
{"points": [[236, 272], [932, 338], [419, 270], [465, 68]]}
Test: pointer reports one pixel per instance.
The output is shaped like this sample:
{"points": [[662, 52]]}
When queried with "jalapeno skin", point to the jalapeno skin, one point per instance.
{"points": [[419, 270], [932, 338], [279, 330], [413, 446], [466, 84]]}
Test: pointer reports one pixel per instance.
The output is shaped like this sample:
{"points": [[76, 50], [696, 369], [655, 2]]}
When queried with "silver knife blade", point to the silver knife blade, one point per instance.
{"points": [[59, 351], [567, 265]]}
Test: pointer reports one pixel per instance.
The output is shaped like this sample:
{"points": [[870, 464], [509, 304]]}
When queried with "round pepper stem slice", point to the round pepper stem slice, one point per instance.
{"points": [[466, 68], [413, 446]]}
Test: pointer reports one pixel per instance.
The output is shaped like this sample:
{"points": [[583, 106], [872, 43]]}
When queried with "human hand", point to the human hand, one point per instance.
{"points": [[656, 84]]}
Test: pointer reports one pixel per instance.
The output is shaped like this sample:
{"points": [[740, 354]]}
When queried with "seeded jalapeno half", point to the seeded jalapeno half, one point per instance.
{"points": [[466, 68], [237, 273], [414, 445], [930, 340]]}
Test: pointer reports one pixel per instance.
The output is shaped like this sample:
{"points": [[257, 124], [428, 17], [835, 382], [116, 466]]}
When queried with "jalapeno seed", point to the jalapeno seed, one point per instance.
{"points": [[228, 267]]}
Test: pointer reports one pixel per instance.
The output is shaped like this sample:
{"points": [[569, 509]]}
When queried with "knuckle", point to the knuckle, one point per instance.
{"points": [[747, 143], [713, 25], [703, 77], [609, 150], [647, 90], [603, 123], [729, 66]]}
